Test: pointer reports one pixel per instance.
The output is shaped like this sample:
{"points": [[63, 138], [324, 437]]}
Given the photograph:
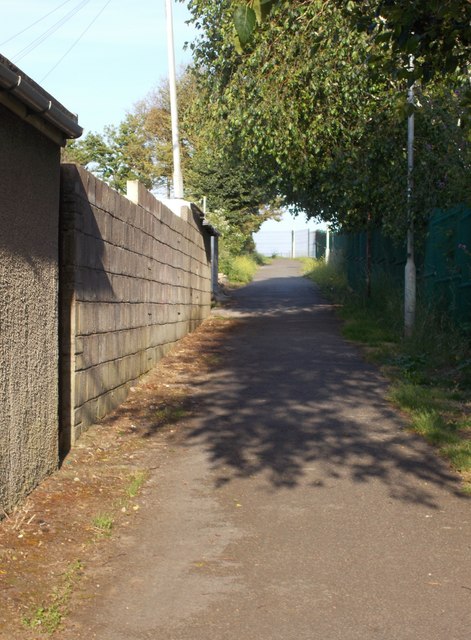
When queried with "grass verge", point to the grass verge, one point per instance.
{"points": [[430, 373]]}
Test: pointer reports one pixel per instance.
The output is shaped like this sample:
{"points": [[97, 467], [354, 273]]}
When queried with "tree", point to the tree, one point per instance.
{"points": [[140, 148], [118, 154], [310, 102], [436, 32]]}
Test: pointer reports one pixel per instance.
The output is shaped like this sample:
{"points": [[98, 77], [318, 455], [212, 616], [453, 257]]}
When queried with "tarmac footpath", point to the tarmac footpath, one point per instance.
{"points": [[296, 506]]}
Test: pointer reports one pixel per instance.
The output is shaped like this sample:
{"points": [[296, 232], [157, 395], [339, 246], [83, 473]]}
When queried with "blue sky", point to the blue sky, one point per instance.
{"points": [[117, 62], [119, 59]]}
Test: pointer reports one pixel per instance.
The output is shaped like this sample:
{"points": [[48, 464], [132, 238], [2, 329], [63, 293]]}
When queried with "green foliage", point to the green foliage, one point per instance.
{"points": [[103, 524], [244, 22], [239, 269], [136, 481], [118, 154], [313, 102], [437, 34]]}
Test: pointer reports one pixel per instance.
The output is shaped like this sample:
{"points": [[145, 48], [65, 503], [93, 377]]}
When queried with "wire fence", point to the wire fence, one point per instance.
{"points": [[303, 243], [443, 262]]}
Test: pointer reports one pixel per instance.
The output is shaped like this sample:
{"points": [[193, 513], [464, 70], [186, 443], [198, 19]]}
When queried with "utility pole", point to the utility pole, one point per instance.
{"points": [[410, 284], [177, 172]]}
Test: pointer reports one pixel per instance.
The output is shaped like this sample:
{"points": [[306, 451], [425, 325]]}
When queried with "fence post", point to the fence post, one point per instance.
{"points": [[293, 245]]}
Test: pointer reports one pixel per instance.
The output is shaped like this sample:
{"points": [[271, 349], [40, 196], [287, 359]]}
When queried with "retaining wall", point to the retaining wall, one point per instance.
{"points": [[135, 278]]}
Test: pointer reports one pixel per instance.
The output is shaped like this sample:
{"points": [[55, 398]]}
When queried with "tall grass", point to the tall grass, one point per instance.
{"points": [[430, 372], [241, 269]]}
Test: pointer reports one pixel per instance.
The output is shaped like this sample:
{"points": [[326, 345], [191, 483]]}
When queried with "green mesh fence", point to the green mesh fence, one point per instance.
{"points": [[447, 264], [351, 249], [443, 268]]}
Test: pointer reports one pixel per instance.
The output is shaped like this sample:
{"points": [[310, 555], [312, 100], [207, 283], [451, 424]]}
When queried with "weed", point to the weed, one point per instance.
{"points": [[103, 524], [49, 617], [136, 481], [170, 414]]}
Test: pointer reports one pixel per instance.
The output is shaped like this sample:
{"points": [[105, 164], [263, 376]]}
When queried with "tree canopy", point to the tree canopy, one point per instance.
{"points": [[238, 196], [316, 99]]}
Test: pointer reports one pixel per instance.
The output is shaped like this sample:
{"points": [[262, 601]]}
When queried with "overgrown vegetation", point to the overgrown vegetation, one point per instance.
{"points": [[240, 269], [430, 372]]}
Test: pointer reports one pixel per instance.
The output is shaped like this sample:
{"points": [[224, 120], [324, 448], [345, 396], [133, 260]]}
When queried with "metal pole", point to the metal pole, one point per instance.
{"points": [[177, 173], [293, 245], [410, 270]]}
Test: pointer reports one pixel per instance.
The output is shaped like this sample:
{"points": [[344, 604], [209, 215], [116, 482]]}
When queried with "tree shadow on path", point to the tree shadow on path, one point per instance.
{"points": [[296, 403]]}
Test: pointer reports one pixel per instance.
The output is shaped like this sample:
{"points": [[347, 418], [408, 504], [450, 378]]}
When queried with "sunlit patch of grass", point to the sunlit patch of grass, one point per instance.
{"points": [[459, 454], [103, 524], [135, 483], [328, 278], [434, 428], [466, 489], [418, 398]]}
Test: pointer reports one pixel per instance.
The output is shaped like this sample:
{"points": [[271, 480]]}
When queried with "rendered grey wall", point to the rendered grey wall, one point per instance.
{"points": [[29, 213], [135, 278]]}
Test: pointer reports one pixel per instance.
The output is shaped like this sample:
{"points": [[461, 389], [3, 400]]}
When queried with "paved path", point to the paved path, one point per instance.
{"points": [[297, 508]]}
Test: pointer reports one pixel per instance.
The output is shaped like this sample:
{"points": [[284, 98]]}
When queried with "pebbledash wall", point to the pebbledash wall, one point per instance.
{"points": [[134, 278], [33, 127]]}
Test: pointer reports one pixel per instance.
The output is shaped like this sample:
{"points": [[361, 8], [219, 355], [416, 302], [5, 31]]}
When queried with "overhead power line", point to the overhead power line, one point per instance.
{"points": [[33, 24], [77, 40], [41, 38]]}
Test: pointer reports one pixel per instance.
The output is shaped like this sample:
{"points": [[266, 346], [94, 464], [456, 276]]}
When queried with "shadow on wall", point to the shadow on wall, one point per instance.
{"points": [[77, 220], [196, 214]]}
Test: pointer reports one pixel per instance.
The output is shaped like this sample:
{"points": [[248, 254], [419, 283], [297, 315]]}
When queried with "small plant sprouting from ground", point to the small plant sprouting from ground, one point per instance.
{"points": [[170, 414], [103, 525], [135, 483], [48, 617]]}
